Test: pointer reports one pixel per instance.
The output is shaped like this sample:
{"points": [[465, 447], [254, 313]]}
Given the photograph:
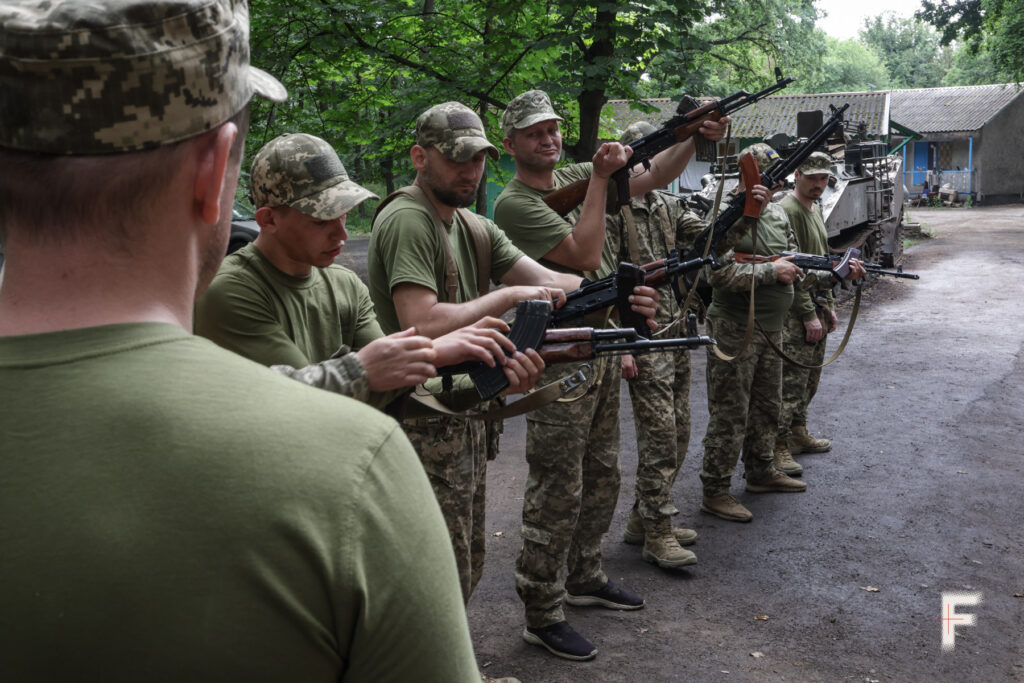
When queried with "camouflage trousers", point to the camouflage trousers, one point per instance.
{"points": [[454, 454], [799, 385], [744, 398], [660, 394], [573, 484]]}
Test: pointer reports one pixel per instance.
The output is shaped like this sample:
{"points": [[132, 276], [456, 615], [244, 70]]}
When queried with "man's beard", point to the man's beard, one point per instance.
{"points": [[446, 196]]}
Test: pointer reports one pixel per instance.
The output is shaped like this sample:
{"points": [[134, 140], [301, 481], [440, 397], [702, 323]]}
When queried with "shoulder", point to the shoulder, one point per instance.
{"points": [[572, 173]]}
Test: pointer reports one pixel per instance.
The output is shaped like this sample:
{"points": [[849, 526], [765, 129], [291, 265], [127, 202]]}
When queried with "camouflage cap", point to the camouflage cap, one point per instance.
{"points": [[533, 106], [818, 162], [763, 154], [104, 76], [454, 130], [635, 131], [304, 172]]}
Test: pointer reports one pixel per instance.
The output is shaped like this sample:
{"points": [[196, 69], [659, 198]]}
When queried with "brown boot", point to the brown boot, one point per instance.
{"points": [[662, 548], [784, 460], [634, 533], [726, 506], [800, 441], [776, 482]]}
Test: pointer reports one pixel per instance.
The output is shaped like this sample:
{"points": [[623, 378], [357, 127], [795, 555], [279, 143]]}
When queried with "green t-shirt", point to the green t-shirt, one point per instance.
{"points": [[273, 318], [531, 224], [173, 512], [405, 248], [811, 238], [731, 283]]}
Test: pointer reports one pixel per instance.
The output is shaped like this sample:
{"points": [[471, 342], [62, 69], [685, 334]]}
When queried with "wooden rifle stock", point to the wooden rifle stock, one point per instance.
{"points": [[750, 176]]}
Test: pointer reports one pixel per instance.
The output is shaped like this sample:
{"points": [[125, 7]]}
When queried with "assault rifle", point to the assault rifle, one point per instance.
{"points": [[530, 329], [744, 203], [616, 288], [838, 265], [684, 125]]}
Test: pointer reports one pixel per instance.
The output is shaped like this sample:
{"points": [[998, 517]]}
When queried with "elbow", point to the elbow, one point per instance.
{"points": [[591, 264]]}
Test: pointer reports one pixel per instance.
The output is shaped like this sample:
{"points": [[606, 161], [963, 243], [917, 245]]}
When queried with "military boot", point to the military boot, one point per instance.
{"points": [[800, 441], [727, 507], [662, 548], [634, 534], [784, 459]]}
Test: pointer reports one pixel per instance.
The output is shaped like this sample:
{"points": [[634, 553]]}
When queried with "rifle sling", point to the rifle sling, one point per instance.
{"points": [[427, 405], [838, 351]]}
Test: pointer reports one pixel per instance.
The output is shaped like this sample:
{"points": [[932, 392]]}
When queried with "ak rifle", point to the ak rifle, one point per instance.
{"points": [[681, 127], [838, 265], [530, 329], [744, 203]]}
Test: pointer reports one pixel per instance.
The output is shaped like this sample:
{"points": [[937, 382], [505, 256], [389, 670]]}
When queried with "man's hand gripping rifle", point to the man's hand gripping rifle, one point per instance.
{"points": [[534, 327], [681, 127], [744, 203], [837, 264]]}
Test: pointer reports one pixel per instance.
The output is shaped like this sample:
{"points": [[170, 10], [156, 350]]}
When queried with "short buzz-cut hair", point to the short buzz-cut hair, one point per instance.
{"points": [[56, 199]]}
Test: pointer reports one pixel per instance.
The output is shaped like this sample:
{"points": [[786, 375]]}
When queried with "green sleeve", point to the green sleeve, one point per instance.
{"points": [[240, 317], [411, 621], [528, 221], [366, 328], [504, 254]]}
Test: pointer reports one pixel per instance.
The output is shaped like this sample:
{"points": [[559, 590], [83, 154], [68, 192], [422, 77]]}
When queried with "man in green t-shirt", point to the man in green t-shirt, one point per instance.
{"points": [[424, 268], [570, 446], [811, 318], [283, 302], [172, 511]]}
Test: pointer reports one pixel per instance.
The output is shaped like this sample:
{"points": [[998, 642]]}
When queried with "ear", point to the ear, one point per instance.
{"points": [[212, 166], [266, 218], [419, 157], [509, 146]]}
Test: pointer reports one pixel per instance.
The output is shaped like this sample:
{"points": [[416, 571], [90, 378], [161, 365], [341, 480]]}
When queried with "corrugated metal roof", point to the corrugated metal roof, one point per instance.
{"points": [[775, 113], [623, 114], [947, 110]]}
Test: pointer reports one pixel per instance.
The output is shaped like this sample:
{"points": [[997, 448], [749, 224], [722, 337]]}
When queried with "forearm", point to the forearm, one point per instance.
{"points": [[343, 375], [442, 318], [736, 277]]}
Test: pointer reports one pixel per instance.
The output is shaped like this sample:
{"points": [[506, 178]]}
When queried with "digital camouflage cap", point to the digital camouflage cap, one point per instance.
{"points": [[454, 130], [635, 131], [122, 75], [818, 162], [304, 172], [763, 154], [533, 106]]}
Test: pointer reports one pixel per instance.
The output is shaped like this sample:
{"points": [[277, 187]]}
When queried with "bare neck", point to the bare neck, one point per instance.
{"points": [[806, 201], [75, 286], [536, 178]]}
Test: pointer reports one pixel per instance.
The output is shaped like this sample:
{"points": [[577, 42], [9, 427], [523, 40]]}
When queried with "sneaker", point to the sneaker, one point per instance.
{"points": [[726, 506], [609, 595], [561, 640], [662, 548], [801, 441], [784, 461], [634, 533], [778, 482]]}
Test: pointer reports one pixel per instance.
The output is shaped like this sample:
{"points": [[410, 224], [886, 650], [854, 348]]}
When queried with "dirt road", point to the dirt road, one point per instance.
{"points": [[921, 494]]}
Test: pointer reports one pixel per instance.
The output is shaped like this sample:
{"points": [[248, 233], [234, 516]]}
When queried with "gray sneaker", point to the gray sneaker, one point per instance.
{"points": [[726, 506], [777, 482]]}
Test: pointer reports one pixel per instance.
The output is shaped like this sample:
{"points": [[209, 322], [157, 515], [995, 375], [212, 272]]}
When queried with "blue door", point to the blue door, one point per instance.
{"points": [[920, 162]]}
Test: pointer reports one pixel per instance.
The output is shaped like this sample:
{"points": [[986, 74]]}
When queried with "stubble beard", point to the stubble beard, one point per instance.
{"points": [[447, 196]]}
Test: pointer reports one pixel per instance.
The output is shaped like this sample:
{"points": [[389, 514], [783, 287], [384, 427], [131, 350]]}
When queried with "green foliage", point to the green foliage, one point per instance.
{"points": [[910, 50], [846, 66], [995, 27]]}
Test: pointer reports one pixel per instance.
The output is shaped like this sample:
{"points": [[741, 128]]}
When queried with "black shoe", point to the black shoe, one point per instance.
{"points": [[562, 641], [608, 595]]}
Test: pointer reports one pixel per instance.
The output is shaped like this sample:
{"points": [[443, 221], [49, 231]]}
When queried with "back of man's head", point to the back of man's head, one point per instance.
{"points": [[86, 88]]}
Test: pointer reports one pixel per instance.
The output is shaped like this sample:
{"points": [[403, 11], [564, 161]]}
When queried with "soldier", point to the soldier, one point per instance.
{"points": [[281, 301], [659, 384], [201, 519], [425, 256], [572, 449], [744, 394], [811, 318]]}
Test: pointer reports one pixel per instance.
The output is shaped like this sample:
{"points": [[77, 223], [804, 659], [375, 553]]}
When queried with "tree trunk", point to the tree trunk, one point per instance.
{"points": [[387, 169], [592, 99]]}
